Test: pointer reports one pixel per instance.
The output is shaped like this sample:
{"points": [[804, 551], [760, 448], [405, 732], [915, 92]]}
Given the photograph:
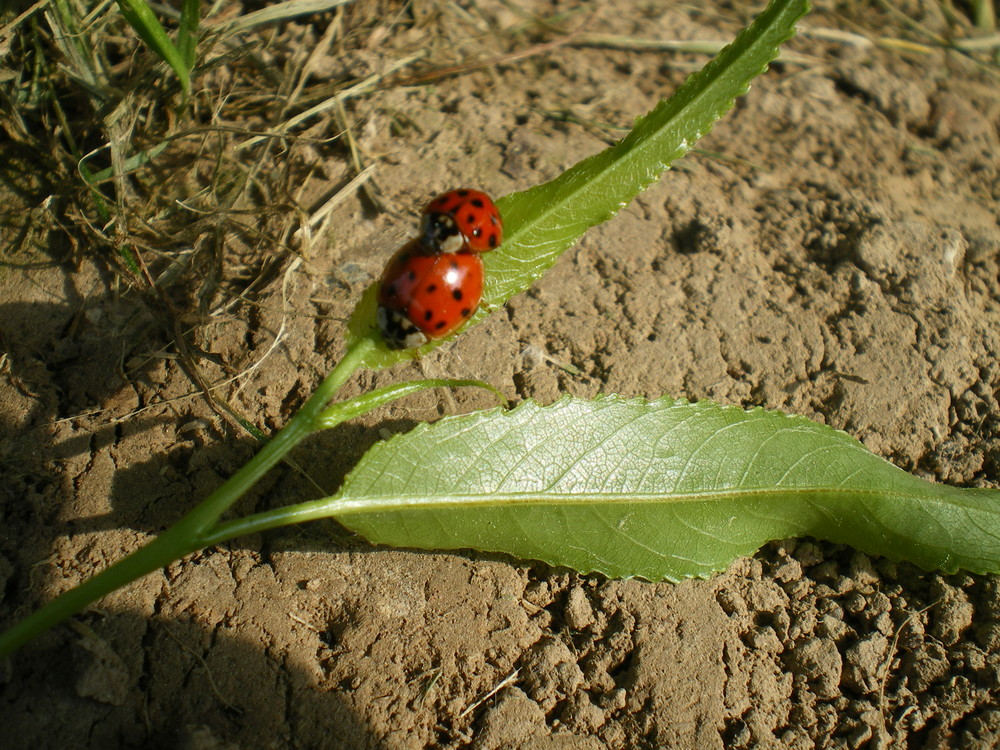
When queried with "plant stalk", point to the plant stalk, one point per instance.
{"points": [[188, 534]]}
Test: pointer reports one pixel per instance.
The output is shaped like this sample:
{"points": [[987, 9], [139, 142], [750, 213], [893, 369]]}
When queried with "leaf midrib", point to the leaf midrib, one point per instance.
{"points": [[368, 504]]}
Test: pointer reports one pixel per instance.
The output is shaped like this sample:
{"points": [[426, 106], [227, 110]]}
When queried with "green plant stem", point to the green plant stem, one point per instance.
{"points": [[313, 510], [192, 531], [341, 411], [332, 416]]}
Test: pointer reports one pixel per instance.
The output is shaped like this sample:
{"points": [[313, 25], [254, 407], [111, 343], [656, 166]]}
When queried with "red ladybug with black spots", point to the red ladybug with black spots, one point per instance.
{"points": [[458, 219], [427, 296]]}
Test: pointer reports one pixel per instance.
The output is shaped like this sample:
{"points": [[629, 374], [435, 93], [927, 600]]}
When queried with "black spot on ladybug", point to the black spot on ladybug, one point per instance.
{"points": [[439, 325], [477, 232], [493, 239], [391, 289], [411, 275], [457, 294], [431, 288], [428, 315], [462, 193], [477, 202], [470, 218], [466, 312], [454, 265]]}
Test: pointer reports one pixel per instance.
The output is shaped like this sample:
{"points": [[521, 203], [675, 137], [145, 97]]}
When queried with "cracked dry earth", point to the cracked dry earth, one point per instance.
{"points": [[835, 254]]}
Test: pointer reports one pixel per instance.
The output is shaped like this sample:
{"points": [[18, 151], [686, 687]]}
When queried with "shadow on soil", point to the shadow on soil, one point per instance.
{"points": [[125, 681], [118, 679]]}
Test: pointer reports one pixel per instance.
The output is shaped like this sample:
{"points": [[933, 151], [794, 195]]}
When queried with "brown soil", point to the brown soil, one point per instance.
{"points": [[837, 256]]}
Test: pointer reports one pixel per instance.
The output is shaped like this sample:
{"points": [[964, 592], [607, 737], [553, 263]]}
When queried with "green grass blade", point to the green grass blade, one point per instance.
{"points": [[141, 18], [661, 490], [83, 60], [187, 33], [541, 223], [131, 164]]}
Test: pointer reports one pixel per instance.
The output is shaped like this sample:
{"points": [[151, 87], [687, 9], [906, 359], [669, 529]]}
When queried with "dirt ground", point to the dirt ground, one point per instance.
{"points": [[833, 252]]}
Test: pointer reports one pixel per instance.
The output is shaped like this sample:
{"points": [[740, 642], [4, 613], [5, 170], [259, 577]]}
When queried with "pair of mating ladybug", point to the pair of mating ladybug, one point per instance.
{"points": [[434, 282]]}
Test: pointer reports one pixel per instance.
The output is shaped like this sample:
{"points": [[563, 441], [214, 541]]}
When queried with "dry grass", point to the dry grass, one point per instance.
{"points": [[197, 209]]}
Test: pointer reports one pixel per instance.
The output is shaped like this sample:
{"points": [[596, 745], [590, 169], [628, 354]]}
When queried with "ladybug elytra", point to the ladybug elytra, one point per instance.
{"points": [[458, 219], [424, 297]]}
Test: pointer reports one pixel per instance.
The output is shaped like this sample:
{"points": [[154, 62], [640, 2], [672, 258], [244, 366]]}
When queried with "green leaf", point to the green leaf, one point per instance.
{"points": [[141, 18], [662, 489], [543, 222]]}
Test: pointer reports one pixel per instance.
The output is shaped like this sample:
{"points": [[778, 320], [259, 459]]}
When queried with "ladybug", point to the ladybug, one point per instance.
{"points": [[423, 296], [461, 219]]}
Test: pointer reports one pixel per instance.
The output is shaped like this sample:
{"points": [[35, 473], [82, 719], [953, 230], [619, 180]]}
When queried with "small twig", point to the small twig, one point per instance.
{"points": [[696, 46], [884, 677], [305, 623], [508, 680], [279, 337], [364, 86], [905, 45], [982, 43], [312, 62], [276, 13], [340, 115], [318, 217], [451, 70], [208, 672], [836, 35], [428, 684], [8, 31]]}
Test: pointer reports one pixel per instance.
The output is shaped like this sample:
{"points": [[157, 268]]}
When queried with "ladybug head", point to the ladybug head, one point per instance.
{"points": [[439, 233]]}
